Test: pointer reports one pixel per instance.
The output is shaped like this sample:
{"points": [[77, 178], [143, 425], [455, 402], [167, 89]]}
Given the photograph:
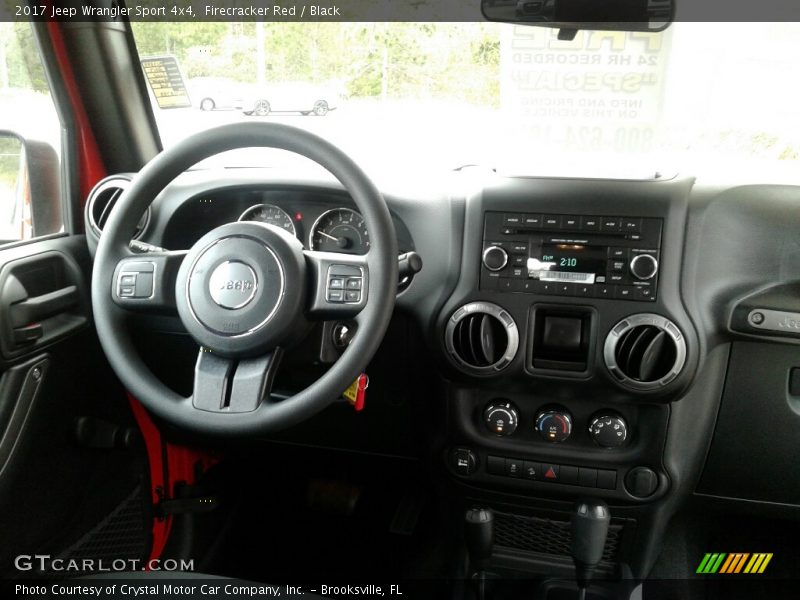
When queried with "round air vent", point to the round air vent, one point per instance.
{"points": [[102, 200], [645, 351], [482, 337]]}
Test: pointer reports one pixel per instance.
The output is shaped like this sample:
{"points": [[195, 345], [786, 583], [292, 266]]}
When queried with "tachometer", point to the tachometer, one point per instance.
{"points": [[270, 214], [340, 230]]}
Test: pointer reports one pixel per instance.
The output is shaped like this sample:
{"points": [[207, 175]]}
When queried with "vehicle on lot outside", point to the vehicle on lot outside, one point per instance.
{"points": [[300, 97], [215, 93]]}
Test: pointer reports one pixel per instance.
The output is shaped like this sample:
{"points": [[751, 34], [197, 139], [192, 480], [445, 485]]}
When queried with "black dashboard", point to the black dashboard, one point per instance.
{"points": [[587, 336]]}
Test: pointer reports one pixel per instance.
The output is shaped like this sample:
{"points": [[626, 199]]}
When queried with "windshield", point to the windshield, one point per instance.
{"points": [[445, 95]]}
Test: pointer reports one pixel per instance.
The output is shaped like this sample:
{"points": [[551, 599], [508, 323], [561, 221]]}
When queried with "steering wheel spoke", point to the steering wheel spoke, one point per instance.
{"points": [[146, 282], [338, 284], [229, 385]]}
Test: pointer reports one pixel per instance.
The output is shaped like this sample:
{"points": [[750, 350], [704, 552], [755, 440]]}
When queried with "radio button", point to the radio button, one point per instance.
{"points": [[616, 277], [547, 287], [604, 291], [584, 290], [519, 260], [529, 286], [625, 292], [646, 294], [590, 223], [512, 220], [519, 272], [618, 253], [532, 221], [631, 225], [506, 284], [570, 222], [616, 266], [552, 221], [610, 223], [565, 289], [521, 247], [644, 266]]}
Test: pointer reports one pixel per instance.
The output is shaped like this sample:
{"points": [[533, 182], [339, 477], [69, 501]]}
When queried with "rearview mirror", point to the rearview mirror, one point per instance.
{"points": [[572, 15], [30, 197]]}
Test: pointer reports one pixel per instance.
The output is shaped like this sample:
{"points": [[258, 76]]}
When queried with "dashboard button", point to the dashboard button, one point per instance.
{"points": [[496, 465], [519, 260], [590, 223], [550, 472], [610, 224], [534, 221], [505, 285], [616, 266], [532, 470], [568, 475], [528, 286], [519, 247], [547, 287], [464, 461], [584, 290], [606, 480], [512, 220], [618, 253], [513, 467], [587, 477], [616, 278], [519, 272]]}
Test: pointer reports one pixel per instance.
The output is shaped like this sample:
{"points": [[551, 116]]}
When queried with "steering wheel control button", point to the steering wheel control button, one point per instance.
{"points": [[501, 418], [608, 431], [641, 482], [233, 285], [554, 425], [344, 284], [135, 281]]}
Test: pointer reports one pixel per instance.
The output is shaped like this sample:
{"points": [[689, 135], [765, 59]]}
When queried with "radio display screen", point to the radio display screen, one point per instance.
{"points": [[568, 262]]}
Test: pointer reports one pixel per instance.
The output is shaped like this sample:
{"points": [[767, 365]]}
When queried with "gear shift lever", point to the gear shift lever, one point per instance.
{"points": [[589, 530], [479, 536]]}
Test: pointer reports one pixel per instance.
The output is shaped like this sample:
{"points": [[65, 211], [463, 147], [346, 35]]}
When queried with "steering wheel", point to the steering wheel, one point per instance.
{"points": [[244, 292]]}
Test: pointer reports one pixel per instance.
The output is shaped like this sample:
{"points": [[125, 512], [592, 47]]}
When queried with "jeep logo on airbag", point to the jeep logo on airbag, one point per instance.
{"points": [[233, 285]]}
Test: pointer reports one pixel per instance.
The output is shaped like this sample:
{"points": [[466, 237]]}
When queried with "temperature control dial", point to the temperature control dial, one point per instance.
{"points": [[608, 430], [554, 425], [501, 417]]}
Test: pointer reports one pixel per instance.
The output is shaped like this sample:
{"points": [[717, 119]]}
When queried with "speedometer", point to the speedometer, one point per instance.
{"points": [[270, 214], [340, 230]]}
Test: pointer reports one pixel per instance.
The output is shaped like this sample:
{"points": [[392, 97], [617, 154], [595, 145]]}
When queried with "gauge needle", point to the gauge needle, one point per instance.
{"points": [[330, 237]]}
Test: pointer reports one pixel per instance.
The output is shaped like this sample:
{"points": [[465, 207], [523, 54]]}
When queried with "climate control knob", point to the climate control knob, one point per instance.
{"points": [[554, 425], [501, 418], [644, 266], [609, 430], [495, 258]]}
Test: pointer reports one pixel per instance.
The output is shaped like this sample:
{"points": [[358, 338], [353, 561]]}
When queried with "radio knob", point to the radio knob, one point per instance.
{"points": [[644, 266], [495, 258]]}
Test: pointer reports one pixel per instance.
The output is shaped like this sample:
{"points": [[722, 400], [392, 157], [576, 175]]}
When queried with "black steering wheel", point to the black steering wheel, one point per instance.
{"points": [[244, 292]]}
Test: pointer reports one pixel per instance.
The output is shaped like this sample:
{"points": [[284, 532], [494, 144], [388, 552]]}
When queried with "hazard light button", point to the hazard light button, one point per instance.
{"points": [[550, 472]]}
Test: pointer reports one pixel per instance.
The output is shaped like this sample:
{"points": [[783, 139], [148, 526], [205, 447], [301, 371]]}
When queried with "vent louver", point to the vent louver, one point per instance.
{"points": [[645, 351], [482, 337], [102, 200]]}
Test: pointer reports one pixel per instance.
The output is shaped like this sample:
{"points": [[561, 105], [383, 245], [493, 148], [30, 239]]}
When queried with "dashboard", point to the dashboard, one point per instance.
{"points": [[585, 335]]}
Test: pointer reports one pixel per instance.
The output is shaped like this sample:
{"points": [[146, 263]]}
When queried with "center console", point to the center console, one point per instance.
{"points": [[567, 342]]}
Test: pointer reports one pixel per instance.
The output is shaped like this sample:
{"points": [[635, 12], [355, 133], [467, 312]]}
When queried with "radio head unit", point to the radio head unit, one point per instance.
{"points": [[572, 255]]}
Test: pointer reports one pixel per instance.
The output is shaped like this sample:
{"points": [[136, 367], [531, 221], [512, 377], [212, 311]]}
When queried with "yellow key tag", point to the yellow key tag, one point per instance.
{"points": [[357, 391]]}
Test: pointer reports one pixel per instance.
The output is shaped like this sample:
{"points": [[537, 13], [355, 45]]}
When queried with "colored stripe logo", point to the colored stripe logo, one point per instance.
{"points": [[736, 562]]}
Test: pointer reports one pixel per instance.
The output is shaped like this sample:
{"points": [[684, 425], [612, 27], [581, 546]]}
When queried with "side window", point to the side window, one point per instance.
{"points": [[30, 141]]}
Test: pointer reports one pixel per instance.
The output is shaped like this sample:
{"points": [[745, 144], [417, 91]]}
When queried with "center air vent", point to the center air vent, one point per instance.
{"points": [[482, 337], [645, 351], [102, 200]]}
